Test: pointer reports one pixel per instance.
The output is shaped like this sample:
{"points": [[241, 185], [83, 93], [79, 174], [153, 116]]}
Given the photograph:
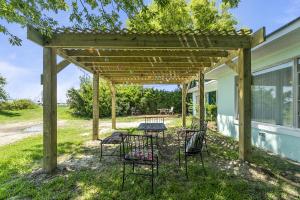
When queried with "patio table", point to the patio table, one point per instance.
{"points": [[153, 127]]}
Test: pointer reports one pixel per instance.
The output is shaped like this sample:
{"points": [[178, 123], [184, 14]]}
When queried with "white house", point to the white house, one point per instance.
{"points": [[275, 93]]}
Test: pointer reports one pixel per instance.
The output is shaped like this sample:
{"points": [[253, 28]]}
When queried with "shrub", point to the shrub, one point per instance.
{"points": [[211, 112], [19, 104], [145, 100]]}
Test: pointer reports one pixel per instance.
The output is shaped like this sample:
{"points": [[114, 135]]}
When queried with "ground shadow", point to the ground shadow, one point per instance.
{"points": [[8, 113]]}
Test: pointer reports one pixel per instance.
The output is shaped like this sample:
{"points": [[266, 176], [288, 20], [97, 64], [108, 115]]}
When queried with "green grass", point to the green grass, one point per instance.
{"points": [[7, 116], [36, 114], [18, 160]]}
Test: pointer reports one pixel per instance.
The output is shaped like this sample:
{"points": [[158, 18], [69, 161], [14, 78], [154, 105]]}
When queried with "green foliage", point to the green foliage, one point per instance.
{"points": [[99, 14], [19, 104], [211, 112], [181, 14], [3, 94], [146, 100]]}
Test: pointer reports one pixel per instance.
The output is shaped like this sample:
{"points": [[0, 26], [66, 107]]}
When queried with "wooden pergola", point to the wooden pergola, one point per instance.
{"points": [[152, 57]]}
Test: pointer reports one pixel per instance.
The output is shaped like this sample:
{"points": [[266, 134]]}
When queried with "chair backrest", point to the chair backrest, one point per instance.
{"points": [[154, 120], [194, 141], [140, 146], [195, 123]]}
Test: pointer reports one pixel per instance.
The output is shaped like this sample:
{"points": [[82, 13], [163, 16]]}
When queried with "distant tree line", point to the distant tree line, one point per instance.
{"points": [[128, 98]]}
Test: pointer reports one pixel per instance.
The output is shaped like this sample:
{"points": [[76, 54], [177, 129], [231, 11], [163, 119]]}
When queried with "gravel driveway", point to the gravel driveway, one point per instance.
{"points": [[12, 132]]}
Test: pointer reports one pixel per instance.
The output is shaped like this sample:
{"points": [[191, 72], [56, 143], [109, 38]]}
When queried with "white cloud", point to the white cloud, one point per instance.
{"points": [[20, 82], [25, 82], [11, 72]]}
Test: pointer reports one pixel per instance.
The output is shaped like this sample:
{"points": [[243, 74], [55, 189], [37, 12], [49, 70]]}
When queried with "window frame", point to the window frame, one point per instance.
{"points": [[274, 67]]}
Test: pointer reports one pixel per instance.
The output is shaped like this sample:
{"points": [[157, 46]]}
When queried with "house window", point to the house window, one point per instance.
{"points": [[272, 95], [211, 97]]}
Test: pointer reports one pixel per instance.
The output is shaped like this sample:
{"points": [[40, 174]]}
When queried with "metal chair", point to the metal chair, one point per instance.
{"points": [[140, 150], [115, 139], [192, 146]]}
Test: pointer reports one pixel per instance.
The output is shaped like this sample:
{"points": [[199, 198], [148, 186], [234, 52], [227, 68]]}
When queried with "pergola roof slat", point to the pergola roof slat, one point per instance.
{"points": [[177, 55], [144, 53]]}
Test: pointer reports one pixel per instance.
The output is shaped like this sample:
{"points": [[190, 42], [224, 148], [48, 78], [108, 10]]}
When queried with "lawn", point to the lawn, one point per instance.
{"points": [[63, 113], [81, 175]]}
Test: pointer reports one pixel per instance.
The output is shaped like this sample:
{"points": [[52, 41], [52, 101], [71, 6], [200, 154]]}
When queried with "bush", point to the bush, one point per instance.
{"points": [[145, 100], [211, 112], [19, 104]]}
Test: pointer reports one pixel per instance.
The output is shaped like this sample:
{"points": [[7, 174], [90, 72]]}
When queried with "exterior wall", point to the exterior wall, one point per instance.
{"points": [[226, 106], [209, 86], [284, 141]]}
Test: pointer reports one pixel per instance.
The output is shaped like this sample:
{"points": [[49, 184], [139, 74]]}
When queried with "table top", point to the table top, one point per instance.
{"points": [[152, 127]]}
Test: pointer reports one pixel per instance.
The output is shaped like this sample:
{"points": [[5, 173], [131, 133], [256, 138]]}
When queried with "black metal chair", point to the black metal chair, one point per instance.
{"points": [[192, 146], [140, 150], [115, 139]]}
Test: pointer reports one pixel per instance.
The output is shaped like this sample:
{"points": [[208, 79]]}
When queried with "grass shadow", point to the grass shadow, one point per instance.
{"points": [[8, 113]]}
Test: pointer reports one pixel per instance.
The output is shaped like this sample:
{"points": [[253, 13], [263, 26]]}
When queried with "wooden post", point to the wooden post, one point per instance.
{"points": [[201, 97], [183, 102], [49, 109], [113, 107], [244, 64], [95, 105]]}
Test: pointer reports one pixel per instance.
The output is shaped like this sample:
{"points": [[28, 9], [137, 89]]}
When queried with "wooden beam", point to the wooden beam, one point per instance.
{"points": [[244, 64], [233, 66], [113, 106], [49, 110], [63, 64], [95, 106], [145, 69], [145, 82], [183, 102], [35, 36], [225, 60], [144, 53], [154, 65], [104, 60], [147, 76], [258, 37], [159, 41], [149, 70], [61, 53], [201, 98]]}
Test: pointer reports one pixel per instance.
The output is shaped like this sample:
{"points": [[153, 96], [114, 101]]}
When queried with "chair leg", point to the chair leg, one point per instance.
{"points": [[179, 161], [120, 151], [206, 146], [123, 175], [152, 179], [133, 166], [186, 167], [101, 150], [202, 163], [157, 166]]}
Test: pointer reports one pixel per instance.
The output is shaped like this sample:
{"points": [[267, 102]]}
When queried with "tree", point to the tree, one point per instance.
{"points": [[129, 97], [100, 14], [181, 15], [3, 94]]}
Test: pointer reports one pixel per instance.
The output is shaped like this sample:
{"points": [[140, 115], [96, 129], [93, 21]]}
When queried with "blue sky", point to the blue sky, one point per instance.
{"points": [[22, 66]]}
